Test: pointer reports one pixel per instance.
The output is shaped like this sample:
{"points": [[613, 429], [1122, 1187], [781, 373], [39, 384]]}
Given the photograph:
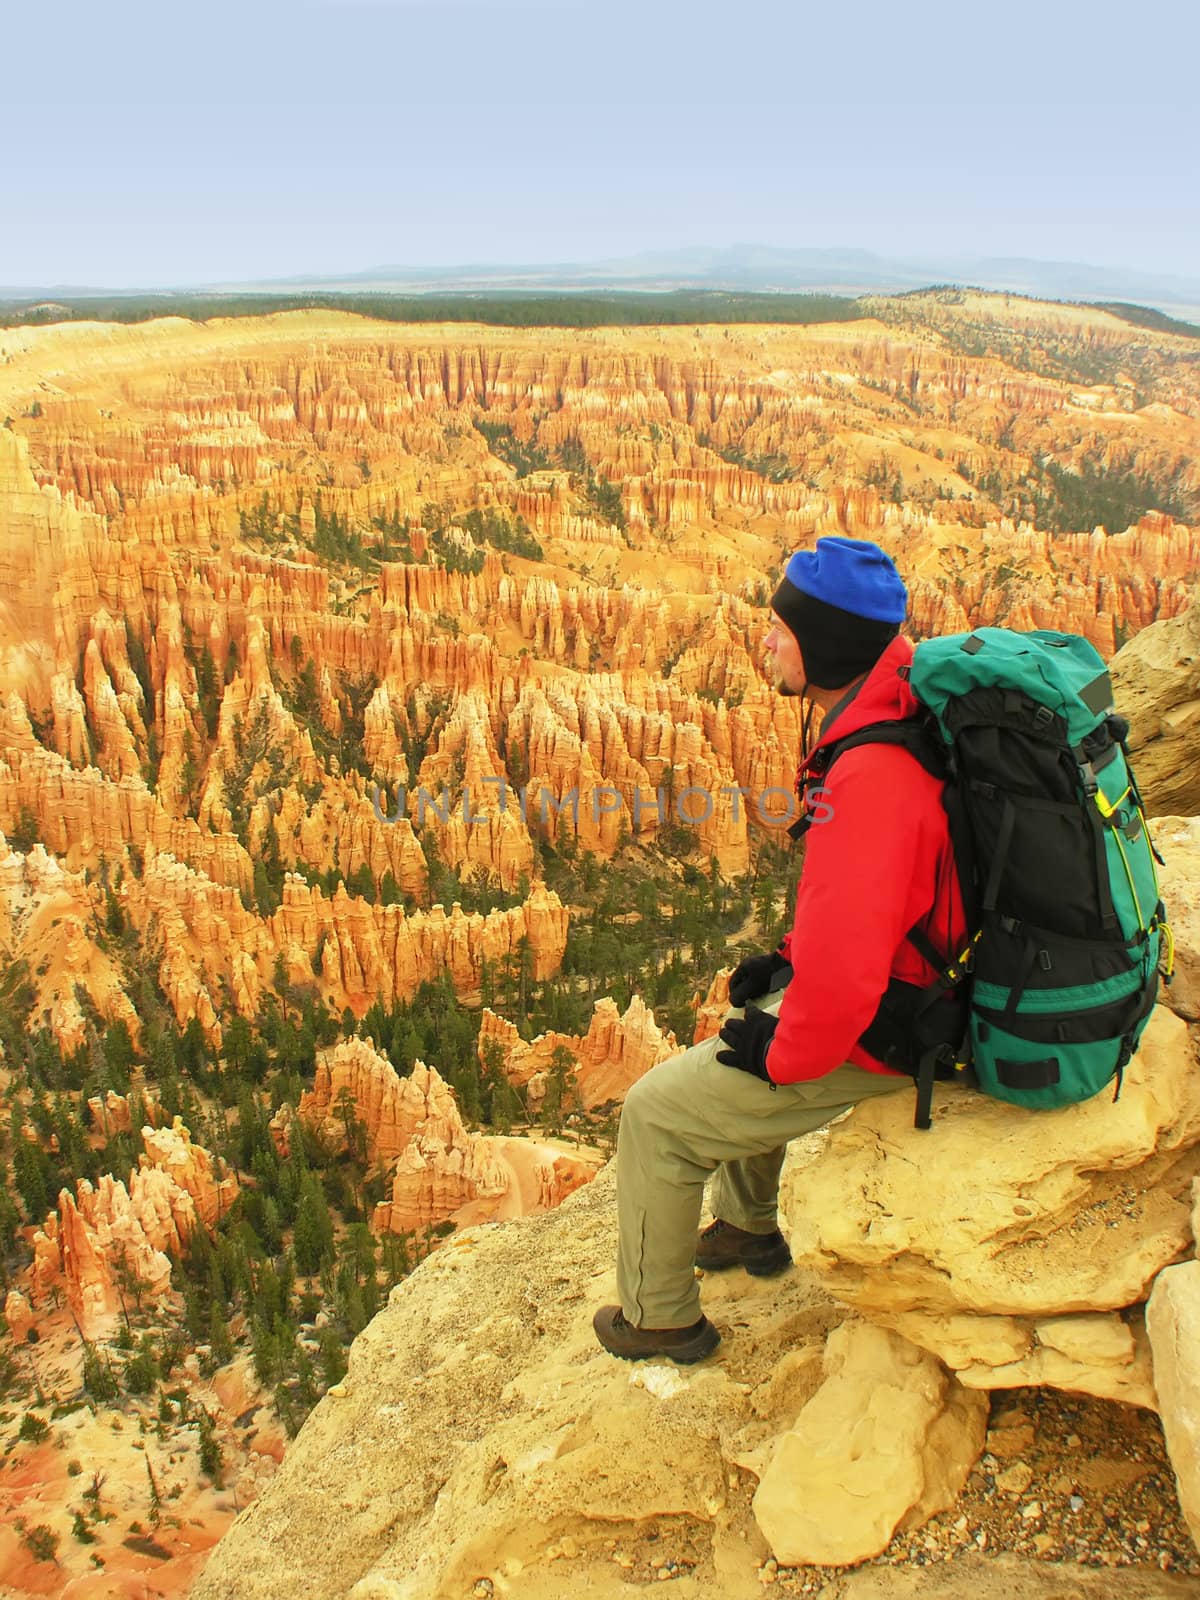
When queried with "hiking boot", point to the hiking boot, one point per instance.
{"points": [[685, 1345], [721, 1246]]}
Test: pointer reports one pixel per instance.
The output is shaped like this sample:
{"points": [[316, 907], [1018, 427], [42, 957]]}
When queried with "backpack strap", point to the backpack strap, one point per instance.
{"points": [[1008, 818], [1097, 825], [1120, 732], [917, 1029], [905, 1007], [937, 1060], [914, 734], [924, 946]]}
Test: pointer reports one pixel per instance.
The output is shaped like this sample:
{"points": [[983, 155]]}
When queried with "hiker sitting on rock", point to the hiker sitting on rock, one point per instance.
{"points": [[878, 864]]}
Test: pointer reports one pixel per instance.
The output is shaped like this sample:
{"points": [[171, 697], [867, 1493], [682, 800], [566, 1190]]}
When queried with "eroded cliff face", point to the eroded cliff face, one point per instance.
{"points": [[411, 1130], [49, 922], [354, 953], [235, 641], [110, 1244], [601, 1065], [1156, 678]]}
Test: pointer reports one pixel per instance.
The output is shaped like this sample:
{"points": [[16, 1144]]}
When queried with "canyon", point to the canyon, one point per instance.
{"points": [[389, 775]]}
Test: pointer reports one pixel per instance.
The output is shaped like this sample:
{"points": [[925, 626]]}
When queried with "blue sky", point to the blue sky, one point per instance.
{"points": [[175, 143]]}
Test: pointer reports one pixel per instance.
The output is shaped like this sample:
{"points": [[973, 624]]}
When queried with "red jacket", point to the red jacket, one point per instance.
{"points": [[878, 861]]}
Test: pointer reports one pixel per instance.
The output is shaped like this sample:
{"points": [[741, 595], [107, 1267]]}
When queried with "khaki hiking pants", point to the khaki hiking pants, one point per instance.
{"points": [[689, 1117]]}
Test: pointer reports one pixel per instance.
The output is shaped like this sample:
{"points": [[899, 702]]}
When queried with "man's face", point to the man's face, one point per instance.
{"points": [[781, 646]]}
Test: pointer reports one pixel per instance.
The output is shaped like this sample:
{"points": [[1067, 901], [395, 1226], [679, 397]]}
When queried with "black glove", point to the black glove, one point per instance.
{"points": [[755, 976], [748, 1039]]}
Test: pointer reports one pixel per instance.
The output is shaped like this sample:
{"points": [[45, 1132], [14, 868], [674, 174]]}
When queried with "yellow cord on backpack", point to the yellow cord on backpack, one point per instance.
{"points": [[1105, 807], [957, 969], [1166, 959]]}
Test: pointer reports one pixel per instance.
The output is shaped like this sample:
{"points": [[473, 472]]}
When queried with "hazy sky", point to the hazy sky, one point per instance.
{"points": [[176, 143]]}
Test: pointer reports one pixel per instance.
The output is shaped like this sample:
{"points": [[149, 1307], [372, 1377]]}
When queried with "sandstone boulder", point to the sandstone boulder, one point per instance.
{"points": [[1012, 1244], [1156, 680], [1178, 839], [888, 1438], [1173, 1321], [18, 1313]]}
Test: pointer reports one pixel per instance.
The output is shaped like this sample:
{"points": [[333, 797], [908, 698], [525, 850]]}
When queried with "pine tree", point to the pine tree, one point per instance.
{"points": [[31, 1170], [210, 1450], [155, 1496], [332, 1357], [272, 1231], [118, 1056], [560, 1088], [353, 1308], [265, 1351], [207, 691], [218, 1336], [99, 1379], [10, 1221], [312, 1241], [306, 1379]]}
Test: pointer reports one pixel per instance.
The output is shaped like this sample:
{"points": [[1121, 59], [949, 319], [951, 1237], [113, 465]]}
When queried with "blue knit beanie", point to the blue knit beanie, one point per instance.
{"points": [[844, 601], [852, 574]]}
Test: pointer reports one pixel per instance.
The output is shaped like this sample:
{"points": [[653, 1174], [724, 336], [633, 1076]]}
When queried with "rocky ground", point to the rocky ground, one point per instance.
{"points": [[1071, 1490], [484, 1446], [120, 1489], [1074, 1497], [1066, 1479]]}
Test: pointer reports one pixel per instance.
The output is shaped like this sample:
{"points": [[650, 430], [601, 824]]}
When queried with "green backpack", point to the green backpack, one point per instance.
{"points": [[1045, 1005]]}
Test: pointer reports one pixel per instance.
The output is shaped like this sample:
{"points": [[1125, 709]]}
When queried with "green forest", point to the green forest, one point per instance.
{"points": [[515, 308], [508, 310]]}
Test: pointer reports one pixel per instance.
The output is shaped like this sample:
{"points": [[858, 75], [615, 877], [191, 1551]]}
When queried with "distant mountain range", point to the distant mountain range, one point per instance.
{"points": [[740, 267]]}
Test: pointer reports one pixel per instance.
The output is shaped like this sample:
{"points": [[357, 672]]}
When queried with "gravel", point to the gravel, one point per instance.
{"points": [[1065, 1479]]}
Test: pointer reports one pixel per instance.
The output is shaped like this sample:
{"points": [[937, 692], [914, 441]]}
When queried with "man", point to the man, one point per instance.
{"points": [[878, 864]]}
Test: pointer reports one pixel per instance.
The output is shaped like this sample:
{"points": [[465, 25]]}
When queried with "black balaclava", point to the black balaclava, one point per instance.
{"points": [[844, 602]]}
